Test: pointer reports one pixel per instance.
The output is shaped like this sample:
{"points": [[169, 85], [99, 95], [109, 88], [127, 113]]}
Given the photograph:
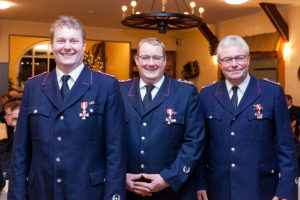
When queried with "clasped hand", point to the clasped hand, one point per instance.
{"points": [[155, 183]]}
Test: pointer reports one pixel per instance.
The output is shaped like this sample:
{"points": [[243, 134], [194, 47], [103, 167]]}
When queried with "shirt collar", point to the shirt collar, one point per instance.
{"points": [[74, 74], [157, 84], [242, 86]]}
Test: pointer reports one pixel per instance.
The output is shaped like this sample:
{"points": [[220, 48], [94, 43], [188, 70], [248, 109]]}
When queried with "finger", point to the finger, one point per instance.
{"points": [[142, 193], [148, 176], [142, 189], [143, 184]]}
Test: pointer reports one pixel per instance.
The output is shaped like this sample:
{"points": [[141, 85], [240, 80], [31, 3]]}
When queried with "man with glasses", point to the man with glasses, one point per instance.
{"points": [[250, 147], [165, 129]]}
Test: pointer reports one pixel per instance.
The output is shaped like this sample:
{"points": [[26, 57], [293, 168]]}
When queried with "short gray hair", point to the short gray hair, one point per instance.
{"points": [[232, 40]]}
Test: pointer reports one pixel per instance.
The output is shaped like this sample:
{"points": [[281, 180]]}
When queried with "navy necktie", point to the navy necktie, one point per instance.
{"points": [[64, 88], [234, 98], [148, 97]]}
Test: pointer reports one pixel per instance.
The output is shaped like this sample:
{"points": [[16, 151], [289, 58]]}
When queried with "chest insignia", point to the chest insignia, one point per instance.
{"points": [[84, 114], [169, 119], [258, 108]]}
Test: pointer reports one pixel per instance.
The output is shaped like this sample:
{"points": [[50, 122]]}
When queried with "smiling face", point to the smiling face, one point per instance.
{"points": [[68, 48], [235, 70], [151, 62]]}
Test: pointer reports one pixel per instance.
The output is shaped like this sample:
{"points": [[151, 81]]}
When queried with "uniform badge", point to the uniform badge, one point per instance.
{"points": [[258, 108], [116, 197], [84, 115], [169, 119], [186, 169]]}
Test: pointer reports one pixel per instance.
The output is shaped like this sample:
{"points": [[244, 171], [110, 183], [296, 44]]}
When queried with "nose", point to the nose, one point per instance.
{"points": [[67, 45], [233, 62], [151, 61]]}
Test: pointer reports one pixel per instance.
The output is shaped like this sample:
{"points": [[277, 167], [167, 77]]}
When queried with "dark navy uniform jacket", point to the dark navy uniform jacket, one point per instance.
{"points": [[248, 149], [61, 154], [158, 147]]}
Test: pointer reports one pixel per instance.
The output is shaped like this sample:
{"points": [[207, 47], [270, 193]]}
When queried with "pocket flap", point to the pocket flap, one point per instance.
{"points": [[265, 115], [213, 115], [96, 109], [97, 177], [39, 110]]}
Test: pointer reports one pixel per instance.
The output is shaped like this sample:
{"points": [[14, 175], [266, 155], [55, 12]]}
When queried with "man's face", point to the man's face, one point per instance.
{"points": [[68, 48], [288, 102], [235, 70], [11, 117], [151, 63]]}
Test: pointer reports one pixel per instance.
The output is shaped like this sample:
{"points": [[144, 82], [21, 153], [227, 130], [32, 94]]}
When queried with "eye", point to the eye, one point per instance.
{"points": [[227, 59], [145, 57]]}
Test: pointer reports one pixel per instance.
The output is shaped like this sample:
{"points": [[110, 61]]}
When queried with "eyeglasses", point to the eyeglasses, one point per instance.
{"points": [[238, 59], [155, 59], [7, 114]]}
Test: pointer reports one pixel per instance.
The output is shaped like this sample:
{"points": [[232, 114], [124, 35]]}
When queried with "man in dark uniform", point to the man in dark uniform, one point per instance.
{"points": [[294, 114], [249, 136], [69, 142], [164, 126]]}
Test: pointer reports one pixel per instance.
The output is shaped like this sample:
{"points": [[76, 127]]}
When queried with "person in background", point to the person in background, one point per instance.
{"points": [[69, 142], [164, 127], [294, 112], [250, 147]]}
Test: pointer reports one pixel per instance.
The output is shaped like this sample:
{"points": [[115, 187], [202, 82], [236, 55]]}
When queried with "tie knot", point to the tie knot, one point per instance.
{"points": [[65, 78], [235, 88], [149, 88]]}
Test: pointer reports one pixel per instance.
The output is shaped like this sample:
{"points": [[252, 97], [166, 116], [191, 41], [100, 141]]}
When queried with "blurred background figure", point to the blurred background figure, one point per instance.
{"points": [[294, 114]]}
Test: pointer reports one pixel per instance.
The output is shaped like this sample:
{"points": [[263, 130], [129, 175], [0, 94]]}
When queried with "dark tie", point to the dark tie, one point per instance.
{"points": [[234, 98], [148, 97], [64, 88]]}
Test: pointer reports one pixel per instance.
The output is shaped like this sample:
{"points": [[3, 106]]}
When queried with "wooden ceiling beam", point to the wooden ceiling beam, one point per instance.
{"points": [[277, 20]]}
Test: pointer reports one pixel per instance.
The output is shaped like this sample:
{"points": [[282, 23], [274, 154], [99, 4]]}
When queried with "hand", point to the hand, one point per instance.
{"points": [[201, 194], [277, 198], [130, 180], [293, 123], [157, 183]]}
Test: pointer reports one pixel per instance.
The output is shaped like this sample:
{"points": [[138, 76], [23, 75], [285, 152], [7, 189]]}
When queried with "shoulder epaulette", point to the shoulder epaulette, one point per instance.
{"points": [[37, 75], [270, 81], [124, 81], [205, 86], [185, 81], [100, 72]]}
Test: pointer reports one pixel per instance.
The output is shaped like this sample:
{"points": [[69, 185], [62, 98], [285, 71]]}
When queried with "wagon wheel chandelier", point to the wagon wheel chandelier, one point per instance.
{"points": [[163, 20]]}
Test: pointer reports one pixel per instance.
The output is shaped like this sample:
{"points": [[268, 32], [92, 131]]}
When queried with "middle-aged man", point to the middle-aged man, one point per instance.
{"points": [[69, 142], [164, 128], [250, 141], [294, 112]]}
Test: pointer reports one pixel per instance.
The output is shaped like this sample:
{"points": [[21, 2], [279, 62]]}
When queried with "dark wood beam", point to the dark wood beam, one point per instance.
{"points": [[276, 19], [211, 38]]}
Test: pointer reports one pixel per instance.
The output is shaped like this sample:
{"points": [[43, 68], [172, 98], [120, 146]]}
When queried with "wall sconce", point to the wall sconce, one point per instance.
{"points": [[286, 51]]}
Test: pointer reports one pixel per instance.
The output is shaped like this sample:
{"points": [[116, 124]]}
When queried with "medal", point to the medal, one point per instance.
{"points": [[258, 108], [84, 115], [169, 119]]}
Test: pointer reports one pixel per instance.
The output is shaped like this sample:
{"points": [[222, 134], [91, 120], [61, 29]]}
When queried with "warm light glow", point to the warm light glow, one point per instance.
{"points": [[138, 13], [286, 51], [215, 59], [192, 4], [41, 47], [201, 10], [236, 1], [5, 4], [124, 8], [186, 13], [133, 3]]}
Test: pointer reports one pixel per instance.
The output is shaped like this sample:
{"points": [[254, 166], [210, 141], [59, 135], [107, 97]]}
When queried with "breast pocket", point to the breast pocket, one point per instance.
{"points": [[213, 123], [95, 121], [260, 125], [39, 122], [175, 125]]}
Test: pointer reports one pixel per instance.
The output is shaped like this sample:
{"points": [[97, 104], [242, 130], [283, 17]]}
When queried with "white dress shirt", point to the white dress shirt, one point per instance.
{"points": [[74, 75], [154, 91], [241, 90]]}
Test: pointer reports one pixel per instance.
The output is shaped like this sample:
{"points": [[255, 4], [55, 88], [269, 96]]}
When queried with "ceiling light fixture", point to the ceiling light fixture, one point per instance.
{"points": [[236, 1], [5, 4], [163, 20]]}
